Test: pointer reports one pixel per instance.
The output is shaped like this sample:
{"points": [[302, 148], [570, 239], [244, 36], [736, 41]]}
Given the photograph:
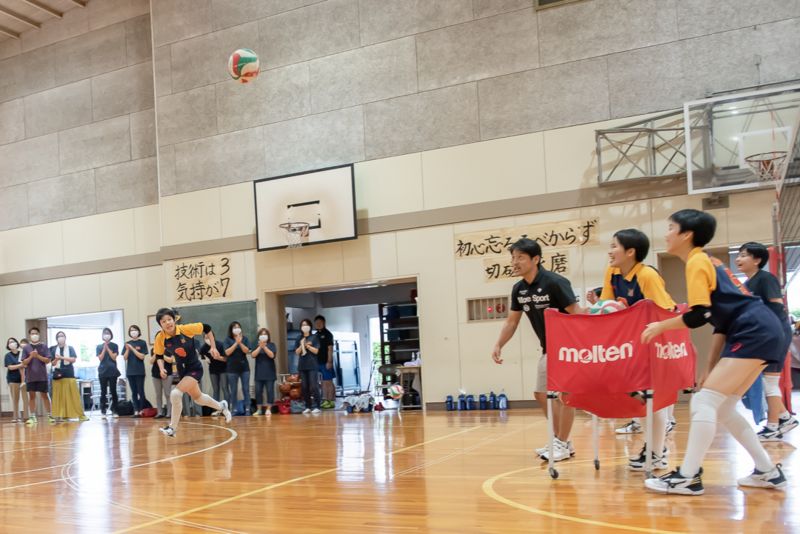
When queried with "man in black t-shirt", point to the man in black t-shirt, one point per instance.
{"points": [[538, 290], [325, 361]]}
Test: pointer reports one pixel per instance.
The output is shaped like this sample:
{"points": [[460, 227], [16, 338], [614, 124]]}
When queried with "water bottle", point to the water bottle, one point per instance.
{"points": [[448, 403], [492, 401], [482, 401], [502, 402], [470, 402], [462, 402]]}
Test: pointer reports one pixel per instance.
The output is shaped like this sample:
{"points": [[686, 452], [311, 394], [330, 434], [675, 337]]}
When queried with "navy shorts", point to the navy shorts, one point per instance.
{"points": [[39, 387], [777, 367], [756, 335], [194, 372], [327, 374]]}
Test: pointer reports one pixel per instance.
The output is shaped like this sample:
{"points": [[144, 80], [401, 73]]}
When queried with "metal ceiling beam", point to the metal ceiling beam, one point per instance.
{"points": [[78, 3], [43, 7], [6, 31], [20, 18]]}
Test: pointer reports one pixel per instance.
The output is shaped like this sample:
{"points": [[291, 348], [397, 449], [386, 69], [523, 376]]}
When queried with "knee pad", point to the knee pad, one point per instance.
{"points": [[176, 395], [772, 385], [705, 405]]}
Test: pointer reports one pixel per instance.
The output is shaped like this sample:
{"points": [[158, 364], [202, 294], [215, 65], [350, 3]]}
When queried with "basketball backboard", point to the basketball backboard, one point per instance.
{"points": [[324, 199], [724, 131]]}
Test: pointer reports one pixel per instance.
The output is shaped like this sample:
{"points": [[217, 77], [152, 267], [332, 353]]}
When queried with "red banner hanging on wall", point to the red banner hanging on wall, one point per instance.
{"points": [[599, 360]]}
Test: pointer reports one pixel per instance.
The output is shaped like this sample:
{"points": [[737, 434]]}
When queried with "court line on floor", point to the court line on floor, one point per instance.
{"points": [[234, 435], [285, 483], [69, 480], [488, 489]]}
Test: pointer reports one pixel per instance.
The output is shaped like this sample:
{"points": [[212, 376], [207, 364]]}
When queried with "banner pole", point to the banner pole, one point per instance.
{"points": [[596, 442], [551, 434], [648, 448]]}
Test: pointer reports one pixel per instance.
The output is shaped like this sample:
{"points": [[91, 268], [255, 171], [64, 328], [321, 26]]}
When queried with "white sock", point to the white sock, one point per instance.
{"points": [[659, 431], [785, 415], [176, 398], [207, 400], [742, 432], [772, 426], [704, 407]]}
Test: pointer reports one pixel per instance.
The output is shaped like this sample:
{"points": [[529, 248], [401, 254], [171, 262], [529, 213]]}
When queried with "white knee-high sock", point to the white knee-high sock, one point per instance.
{"points": [[176, 399], [659, 431], [704, 407], [207, 400], [742, 432]]}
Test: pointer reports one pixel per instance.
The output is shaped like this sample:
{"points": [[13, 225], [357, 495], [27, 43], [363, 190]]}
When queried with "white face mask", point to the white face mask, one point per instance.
{"points": [[61, 340], [134, 334], [35, 338], [305, 328], [207, 342], [237, 331], [106, 337], [263, 338], [12, 346]]}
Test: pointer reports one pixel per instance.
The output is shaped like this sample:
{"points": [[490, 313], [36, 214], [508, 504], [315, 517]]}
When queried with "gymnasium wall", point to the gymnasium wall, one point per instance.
{"points": [[443, 106], [77, 121]]}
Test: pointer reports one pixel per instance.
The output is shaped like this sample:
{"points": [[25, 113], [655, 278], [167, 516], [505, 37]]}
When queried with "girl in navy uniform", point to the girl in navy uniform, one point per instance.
{"points": [[752, 259], [177, 342], [745, 335], [629, 280]]}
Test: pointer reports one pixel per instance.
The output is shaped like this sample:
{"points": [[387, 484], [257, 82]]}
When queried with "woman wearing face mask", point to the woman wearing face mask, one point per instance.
{"points": [[66, 399], [162, 386], [108, 372], [14, 378], [264, 356], [217, 369], [134, 353], [307, 348], [236, 349]]}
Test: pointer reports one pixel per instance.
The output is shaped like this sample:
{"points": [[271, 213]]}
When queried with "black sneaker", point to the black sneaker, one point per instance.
{"points": [[167, 431], [774, 479], [673, 483], [658, 463], [787, 424], [768, 434]]}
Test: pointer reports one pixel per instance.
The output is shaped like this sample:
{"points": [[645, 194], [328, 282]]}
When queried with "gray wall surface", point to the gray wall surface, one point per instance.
{"points": [[346, 81]]}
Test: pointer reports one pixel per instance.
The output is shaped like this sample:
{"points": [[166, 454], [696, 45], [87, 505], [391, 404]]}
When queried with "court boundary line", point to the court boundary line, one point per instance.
{"points": [[285, 483], [233, 436], [488, 489]]}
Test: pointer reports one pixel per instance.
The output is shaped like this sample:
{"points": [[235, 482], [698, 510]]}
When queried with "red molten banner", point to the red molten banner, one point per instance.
{"points": [[599, 360]]}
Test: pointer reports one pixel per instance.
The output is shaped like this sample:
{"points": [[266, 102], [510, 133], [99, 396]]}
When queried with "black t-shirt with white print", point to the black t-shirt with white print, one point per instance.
{"points": [[548, 290]]}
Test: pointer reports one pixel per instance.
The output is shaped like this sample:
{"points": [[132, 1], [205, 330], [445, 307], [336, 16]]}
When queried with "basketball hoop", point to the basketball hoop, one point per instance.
{"points": [[768, 166], [295, 232]]}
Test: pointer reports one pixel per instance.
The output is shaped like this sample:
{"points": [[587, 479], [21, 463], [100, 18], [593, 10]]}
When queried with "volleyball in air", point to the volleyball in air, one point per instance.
{"points": [[243, 65], [603, 307]]}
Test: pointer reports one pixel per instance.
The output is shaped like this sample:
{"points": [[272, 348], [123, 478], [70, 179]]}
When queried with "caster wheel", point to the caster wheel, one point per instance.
{"points": [[597, 465], [553, 473]]}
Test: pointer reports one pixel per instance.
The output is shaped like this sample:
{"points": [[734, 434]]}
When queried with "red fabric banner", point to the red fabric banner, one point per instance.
{"points": [[599, 360]]}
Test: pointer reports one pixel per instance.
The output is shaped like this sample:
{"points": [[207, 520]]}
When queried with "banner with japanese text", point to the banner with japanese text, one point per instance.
{"points": [[499, 267], [599, 360], [202, 279], [557, 235]]}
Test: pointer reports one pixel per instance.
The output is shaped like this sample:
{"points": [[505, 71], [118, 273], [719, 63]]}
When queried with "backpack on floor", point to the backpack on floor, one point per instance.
{"points": [[124, 408]]}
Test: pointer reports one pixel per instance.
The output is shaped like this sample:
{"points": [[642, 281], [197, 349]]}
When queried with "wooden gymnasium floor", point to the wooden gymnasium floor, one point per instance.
{"points": [[385, 472]]}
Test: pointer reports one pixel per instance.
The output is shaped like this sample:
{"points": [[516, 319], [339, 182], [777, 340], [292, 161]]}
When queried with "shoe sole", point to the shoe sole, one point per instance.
{"points": [[675, 491], [761, 484], [773, 439], [641, 467], [790, 426], [623, 432]]}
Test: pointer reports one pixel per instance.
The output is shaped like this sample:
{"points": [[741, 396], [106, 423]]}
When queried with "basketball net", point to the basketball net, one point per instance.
{"points": [[295, 232]]}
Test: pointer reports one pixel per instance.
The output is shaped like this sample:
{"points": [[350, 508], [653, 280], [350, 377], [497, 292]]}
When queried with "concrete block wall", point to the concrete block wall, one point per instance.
{"points": [[355, 80], [77, 120]]}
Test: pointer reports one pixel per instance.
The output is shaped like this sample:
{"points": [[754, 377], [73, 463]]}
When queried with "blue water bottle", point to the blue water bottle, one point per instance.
{"points": [[482, 401], [470, 402], [492, 401], [462, 402], [448, 403], [502, 402]]}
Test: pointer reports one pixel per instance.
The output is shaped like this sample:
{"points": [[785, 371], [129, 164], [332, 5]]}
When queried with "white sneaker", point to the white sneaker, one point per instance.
{"points": [[306, 411], [560, 452], [225, 411], [557, 442], [115, 416], [774, 479], [316, 411], [167, 431], [785, 425], [631, 428]]}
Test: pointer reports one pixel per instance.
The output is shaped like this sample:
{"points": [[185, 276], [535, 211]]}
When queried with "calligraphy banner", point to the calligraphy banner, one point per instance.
{"points": [[201, 279], [550, 235], [500, 268]]}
